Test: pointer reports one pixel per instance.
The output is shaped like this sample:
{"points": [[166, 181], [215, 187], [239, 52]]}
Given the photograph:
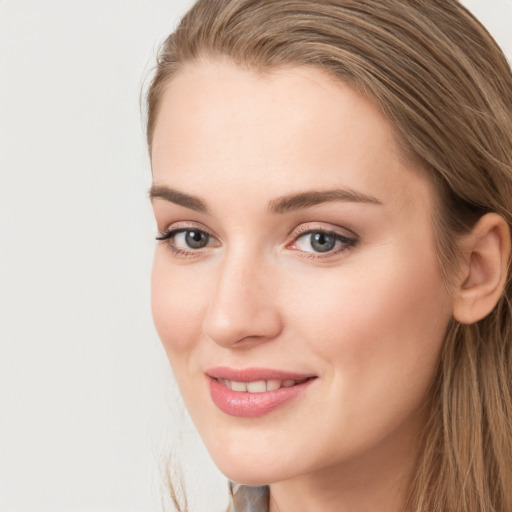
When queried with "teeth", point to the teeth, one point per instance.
{"points": [[272, 385], [238, 386], [258, 386]]}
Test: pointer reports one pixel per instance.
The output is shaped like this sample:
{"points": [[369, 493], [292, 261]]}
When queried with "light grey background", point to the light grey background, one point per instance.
{"points": [[87, 405]]}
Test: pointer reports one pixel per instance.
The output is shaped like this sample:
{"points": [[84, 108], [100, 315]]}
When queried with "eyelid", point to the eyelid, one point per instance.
{"points": [[349, 240], [309, 227], [186, 226], [166, 236]]}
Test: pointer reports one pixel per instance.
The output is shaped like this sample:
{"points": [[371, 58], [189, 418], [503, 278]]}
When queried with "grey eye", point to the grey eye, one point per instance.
{"points": [[187, 241], [317, 241], [193, 239], [322, 242]]}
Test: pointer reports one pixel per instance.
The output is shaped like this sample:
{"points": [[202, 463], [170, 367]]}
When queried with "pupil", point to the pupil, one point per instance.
{"points": [[322, 242], [196, 239]]}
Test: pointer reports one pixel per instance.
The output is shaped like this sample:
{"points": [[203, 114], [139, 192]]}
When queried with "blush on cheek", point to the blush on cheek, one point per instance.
{"points": [[176, 322], [388, 310], [177, 311]]}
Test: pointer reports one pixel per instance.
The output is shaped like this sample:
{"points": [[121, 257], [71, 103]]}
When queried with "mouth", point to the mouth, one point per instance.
{"points": [[260, 386], [254, 392]]}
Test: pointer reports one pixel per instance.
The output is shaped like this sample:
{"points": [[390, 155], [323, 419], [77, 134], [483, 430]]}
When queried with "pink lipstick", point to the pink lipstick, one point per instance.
{"points": [[253, 392]]}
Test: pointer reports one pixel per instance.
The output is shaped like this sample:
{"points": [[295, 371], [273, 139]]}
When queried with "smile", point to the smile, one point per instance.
{"points": [[259, 386], [241, 393]]}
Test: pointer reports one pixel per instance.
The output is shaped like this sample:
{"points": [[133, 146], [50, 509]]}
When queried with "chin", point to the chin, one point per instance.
{"points": [[250, 475], [253, 471]]}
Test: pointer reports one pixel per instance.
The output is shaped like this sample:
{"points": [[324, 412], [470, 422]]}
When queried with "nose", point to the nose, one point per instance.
{"points": [[243, 310]]}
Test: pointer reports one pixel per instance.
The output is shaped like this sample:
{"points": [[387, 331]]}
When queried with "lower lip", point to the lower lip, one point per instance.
{"points": [[252, 405]]}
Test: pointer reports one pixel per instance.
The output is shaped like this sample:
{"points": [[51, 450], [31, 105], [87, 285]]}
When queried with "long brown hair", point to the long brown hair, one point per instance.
{"points": [[446, 88]]}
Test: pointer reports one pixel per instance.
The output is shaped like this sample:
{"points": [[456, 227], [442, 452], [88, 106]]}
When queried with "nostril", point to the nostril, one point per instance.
{"points": [[242, 322]]}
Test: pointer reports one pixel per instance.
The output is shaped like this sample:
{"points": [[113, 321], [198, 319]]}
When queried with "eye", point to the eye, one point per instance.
{"points": [[322, 242], [191, 239], [186, 241]]}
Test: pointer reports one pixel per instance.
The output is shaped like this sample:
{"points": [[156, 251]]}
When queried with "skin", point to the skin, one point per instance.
{"points": [[367, 318]]}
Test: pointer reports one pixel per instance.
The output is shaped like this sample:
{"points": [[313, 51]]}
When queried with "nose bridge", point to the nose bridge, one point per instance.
{"points": [[242, 306]]}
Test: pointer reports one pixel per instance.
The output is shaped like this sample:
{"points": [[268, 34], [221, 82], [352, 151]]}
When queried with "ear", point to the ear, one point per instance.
{"points": [[486, 254]]}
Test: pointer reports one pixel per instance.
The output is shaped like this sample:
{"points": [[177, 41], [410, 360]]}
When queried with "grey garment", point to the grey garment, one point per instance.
{"points": [[248, 499]]}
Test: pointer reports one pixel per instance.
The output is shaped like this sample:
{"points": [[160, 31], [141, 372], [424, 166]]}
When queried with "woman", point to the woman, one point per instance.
{"points": [[332, 184]]}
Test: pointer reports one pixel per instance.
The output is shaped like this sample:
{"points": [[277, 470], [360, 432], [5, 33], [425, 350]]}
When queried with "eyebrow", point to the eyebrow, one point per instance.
{"points": [[304, 200], [280, 205], [179, 198]]}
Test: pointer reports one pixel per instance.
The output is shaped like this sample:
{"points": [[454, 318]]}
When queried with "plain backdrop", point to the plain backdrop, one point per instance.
{"points": [[88, 409]]}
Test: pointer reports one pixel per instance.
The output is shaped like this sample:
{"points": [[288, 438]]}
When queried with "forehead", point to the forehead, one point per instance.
{"points": [[291, 128]]}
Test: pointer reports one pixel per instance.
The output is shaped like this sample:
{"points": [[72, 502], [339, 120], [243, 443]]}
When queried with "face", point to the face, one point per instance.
{"points": [[295, 288]]}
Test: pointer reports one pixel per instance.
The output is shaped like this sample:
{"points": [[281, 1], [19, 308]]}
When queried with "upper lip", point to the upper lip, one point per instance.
{"points": [[254, 374]]}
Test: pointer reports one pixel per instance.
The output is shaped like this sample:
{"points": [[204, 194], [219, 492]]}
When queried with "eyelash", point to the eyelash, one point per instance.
{"points": [[347, 243], [166, 236]]}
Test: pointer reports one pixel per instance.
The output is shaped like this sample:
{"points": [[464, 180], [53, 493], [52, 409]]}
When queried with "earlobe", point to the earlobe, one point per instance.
{"points": [[484, 269]]}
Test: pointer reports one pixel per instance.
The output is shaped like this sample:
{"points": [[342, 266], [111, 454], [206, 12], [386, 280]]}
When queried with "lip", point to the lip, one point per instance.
{"points": [[251, 405], [252, 374]]}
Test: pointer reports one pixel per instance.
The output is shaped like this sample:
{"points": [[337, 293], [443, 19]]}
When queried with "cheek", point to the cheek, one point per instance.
{"points": [[177, 301], [376, 335], [379, 320]]}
